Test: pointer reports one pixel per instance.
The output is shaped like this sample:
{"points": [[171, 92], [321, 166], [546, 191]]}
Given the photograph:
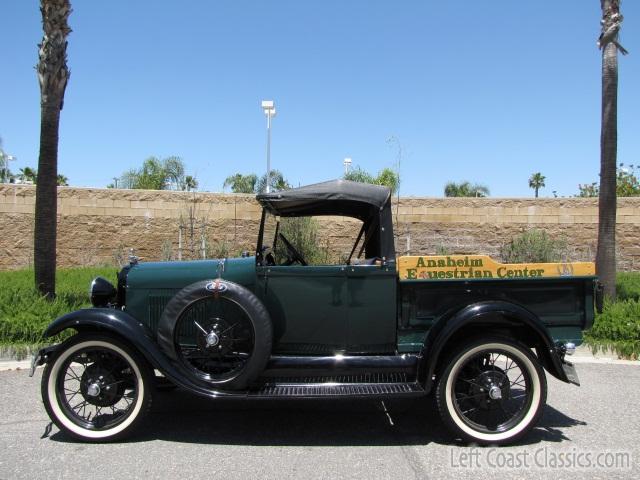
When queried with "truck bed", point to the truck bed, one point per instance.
{"points": [[560, 294]]}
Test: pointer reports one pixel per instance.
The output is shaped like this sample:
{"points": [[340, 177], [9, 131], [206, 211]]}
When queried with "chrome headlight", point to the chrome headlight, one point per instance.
{"points": [[102, 292]]}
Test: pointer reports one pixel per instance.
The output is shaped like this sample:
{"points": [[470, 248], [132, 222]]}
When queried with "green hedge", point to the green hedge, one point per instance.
{"points": [[24, 314], [628, 286], [617, 328]]}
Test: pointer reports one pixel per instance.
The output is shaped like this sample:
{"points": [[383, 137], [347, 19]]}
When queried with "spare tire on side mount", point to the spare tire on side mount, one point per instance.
{"points": [[218, 333]]}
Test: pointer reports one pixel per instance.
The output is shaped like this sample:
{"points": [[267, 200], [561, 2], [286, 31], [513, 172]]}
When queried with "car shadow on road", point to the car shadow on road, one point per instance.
{"points": [[179, 416]]}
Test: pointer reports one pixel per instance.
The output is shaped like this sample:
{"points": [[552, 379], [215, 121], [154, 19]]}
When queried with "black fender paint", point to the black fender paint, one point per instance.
{"points": [[139, 336], [490, 313]]}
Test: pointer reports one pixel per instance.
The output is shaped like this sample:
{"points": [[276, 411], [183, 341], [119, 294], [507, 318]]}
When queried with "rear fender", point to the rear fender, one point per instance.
{"points": [[496, 315]]}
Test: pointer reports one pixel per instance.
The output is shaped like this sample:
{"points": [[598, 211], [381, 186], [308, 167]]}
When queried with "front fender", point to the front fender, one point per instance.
{"points": [[130, 330], [489, 314]]}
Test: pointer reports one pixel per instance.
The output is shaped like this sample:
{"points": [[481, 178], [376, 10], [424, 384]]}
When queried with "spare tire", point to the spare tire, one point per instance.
{"points": [[218, 333]]}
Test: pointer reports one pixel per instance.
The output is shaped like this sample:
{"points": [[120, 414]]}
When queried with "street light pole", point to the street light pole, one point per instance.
{"points": [[269, 108], [6, 159], [347, 165]]}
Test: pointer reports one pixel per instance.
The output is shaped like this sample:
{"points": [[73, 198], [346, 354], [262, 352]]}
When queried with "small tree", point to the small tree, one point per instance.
{"points": [[465, 189], [302, 232], [386, 177], [240, 183], [627, 184], [536, 181]]}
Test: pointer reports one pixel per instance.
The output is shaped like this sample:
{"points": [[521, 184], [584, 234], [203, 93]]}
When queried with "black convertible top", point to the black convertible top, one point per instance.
{"points": [[366, 202], [335, 197]]}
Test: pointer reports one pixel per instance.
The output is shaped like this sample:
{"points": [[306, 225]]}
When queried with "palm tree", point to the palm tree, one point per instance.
{"points": [[53, 75], [240, 183], [608, 42], [465, 189], [536, 181], [62, 181], [190, 183], [28, 175], [156, 174], [276, 180]]}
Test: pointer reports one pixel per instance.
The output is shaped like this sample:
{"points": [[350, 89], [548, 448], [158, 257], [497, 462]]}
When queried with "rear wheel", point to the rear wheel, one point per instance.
{"points": [[96, 388], [491, 391]]}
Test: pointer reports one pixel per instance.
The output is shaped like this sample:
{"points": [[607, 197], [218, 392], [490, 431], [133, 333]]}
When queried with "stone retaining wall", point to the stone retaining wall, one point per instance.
{"points": [[99, 226]]}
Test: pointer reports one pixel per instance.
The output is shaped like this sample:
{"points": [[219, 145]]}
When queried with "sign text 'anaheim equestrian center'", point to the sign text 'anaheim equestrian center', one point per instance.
{"points": [[468, 267]]}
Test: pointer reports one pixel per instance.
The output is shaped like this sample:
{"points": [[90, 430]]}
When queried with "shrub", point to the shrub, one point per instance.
{"points": [[533, 246], [628, 286], [24, 314], [302, 232], [617, 328]]}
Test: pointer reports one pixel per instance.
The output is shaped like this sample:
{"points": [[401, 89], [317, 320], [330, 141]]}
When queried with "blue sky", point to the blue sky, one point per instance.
{"points": [[487, 91]]}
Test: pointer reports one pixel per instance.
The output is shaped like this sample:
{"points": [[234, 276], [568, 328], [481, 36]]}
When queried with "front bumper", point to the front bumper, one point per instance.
{"points": [[41, 357]]}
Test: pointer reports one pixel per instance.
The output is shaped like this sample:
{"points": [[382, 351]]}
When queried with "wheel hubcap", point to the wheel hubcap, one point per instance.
{"points": [[93, 390], [212, 339], [495, 393]]}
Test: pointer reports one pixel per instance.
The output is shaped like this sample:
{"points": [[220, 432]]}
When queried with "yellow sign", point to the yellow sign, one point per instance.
{"points": [[468, 267]]}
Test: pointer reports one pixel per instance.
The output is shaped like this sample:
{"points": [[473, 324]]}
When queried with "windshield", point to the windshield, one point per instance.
{"points": [[319, 240]]}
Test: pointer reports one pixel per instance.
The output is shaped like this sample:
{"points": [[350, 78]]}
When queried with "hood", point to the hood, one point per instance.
{"points": [[177, 275]]}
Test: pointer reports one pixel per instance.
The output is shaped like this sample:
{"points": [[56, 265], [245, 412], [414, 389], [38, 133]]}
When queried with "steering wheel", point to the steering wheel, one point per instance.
{"points": [[267, 256], [294, 255]]}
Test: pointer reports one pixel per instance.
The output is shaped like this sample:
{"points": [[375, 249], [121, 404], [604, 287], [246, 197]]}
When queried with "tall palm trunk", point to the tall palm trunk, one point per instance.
{"points": [[606, 253], [53, 75]]}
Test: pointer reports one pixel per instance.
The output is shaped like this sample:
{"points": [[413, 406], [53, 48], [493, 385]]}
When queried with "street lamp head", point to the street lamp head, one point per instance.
{"points": [[269, 108]]}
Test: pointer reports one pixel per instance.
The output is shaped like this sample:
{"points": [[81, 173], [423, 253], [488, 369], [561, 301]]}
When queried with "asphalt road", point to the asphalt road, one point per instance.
{"points": [[188, 437]]}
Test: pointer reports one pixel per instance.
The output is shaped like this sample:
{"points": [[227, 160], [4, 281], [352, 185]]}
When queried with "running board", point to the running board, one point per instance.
{"points": [[339, 390], [363, 385]]}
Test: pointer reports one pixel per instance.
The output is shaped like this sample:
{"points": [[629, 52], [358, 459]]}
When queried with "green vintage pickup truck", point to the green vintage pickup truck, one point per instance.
{"points": [[476, 334]]}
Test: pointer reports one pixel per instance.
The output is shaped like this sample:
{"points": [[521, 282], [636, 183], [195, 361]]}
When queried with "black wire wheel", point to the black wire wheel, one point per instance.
{"points": [[218, 332], [96, 388], [491, 391], [214, 338]]}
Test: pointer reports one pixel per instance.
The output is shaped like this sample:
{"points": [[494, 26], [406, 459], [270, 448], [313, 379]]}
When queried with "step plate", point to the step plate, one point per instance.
{"points": [[320, 390]]}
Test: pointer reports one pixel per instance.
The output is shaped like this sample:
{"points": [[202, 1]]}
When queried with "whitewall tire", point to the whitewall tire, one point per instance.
{"points": [[97, 388], [491, 391]]}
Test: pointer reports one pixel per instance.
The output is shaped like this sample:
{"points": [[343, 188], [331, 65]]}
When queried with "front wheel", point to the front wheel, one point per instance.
{"points": [[492, 391], [96, 388]]}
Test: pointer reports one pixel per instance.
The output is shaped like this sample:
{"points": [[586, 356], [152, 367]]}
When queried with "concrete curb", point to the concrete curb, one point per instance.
{"points": [[15, 365]]}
